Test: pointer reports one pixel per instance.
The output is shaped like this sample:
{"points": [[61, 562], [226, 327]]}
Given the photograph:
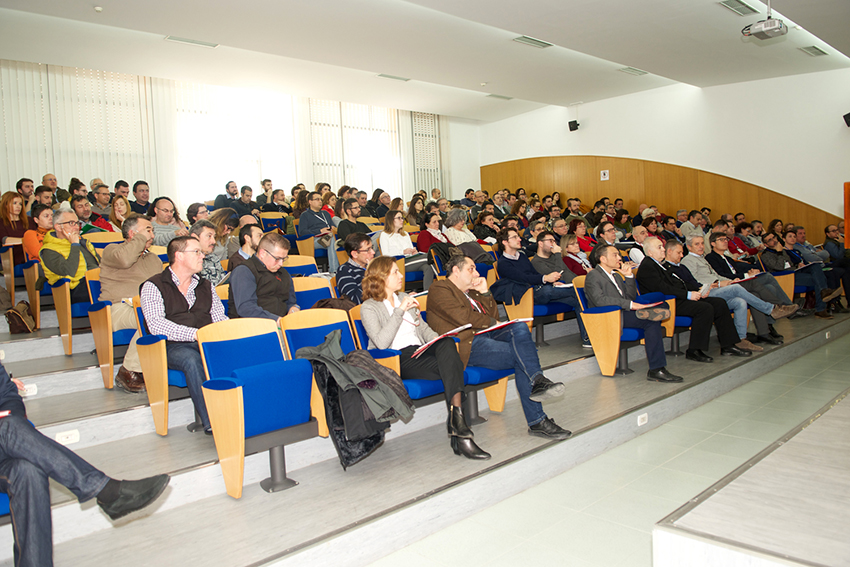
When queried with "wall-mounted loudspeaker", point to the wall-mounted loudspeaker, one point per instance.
{"points": [[574, 124], [846, 119]]}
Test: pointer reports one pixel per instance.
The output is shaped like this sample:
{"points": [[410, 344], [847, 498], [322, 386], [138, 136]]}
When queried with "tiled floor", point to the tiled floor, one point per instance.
{"points": [[601, 513]]}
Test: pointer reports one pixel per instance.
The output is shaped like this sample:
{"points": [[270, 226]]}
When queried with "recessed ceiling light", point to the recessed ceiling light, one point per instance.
{"points": [[538, 43], [500, 97], [632, 71], [813, 50], [194, 42], [740, 8], [393, 77]]}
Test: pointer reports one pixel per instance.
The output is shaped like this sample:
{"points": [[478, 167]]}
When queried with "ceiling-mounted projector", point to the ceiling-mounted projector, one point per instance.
{"points": [[766, 29]]}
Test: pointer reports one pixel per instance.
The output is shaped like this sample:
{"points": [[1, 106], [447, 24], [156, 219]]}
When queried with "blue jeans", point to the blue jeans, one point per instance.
{"points": [[548, 293], [737, 298], [512, 347], [27, 460], [186, 357]]}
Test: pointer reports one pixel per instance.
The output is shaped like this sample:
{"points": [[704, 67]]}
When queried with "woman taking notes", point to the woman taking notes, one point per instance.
{"points": [[392, 320]]}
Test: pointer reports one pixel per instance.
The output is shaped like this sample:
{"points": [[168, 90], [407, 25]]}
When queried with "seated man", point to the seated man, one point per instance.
{"points": [[351, 209], [318, 223], [671, 230], [767, 306], [277, 204], [349, 277], [204, 232], [384, 207], [776, 259], [636, 253], [28, 459], [164, 228], [229, 196], [463, 298], [810, 253], [102, 198], [124, 267], [244, 205], [653, 275], [66, 254], [480, 199], [142, 194], [611, 282], [692, 225], [249, 239], [176, 303], [468, 196], [259, 287], [88, 220], [548, 261]]}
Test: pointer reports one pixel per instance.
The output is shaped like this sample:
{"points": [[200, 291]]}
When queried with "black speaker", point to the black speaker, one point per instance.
{"points": [[846, 120], [574, 124]]}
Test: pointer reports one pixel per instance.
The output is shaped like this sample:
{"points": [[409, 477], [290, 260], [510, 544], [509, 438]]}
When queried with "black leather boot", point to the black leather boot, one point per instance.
{"points": [[469, 449], [456, 424]]}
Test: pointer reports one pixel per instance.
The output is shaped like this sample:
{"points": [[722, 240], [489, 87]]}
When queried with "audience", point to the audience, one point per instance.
{"points": [[266, 195], [89, 221], [329, 204], [14, 222], [277, 203], [226, 199], [244, 205], [431, 233], [141, 194], [102, 200], [383, 207], [122, 188], [124, 267], [456, 230], [162, 221], [318, 223], [195, 212], [211, 270], [26, 189], [66, 254], [259, 287], [572, 256], [636, 253], [351, 208], [249, 239], [119, 210], [485, 227], [300, 204], [42, 216], [394, 241], [349, 277], [416, 211]]}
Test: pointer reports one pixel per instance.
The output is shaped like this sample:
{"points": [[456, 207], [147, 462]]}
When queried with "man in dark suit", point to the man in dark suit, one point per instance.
{"points": [[603, 287], [653, 275]]}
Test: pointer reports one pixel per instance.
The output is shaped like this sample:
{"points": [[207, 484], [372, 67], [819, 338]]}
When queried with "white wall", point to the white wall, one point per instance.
{"points": [[784, 134], [462, 163]]}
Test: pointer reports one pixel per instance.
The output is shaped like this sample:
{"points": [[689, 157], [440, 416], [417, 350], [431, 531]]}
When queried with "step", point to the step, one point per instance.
{"points": [[43, 343]]}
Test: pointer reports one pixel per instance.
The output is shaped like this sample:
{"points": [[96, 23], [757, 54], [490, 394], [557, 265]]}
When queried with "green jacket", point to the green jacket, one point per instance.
{"points": [[61, 259]]}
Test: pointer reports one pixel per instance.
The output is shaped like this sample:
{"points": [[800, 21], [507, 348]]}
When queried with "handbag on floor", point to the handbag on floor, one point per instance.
{"points": [[20, 318]]}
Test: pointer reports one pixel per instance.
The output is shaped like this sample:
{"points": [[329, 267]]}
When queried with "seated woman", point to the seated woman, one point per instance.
{"points": [[416, 210], [622, 224], [653, 228], [575, 260], [456, 230], [329, 206], [33, 239], [392, 320], [518, 210], [196, 212], [394, 241], [14, 222], [485, 227], [431, 233], [586, 242], [119, 209]]}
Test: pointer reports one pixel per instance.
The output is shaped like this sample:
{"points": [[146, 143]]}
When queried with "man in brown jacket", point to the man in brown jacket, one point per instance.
{"points": [[123, 268], [463, 297]]}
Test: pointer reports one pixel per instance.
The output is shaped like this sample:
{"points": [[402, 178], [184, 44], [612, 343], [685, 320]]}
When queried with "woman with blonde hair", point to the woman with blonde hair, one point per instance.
{"points": [[392, 321], [14, 222], [119, 210], [397, 204], [394, 241]]}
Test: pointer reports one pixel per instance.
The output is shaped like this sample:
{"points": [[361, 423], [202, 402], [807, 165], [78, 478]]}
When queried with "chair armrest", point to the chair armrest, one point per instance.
{"points": [[598, 310], [220, 384], [148, 340], [388, 358], [98, 305], [652, 297], [378, 353], [61, 282]]}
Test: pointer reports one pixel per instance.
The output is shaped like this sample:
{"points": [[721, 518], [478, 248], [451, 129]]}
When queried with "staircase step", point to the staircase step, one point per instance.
{"points": [[45, 342]]}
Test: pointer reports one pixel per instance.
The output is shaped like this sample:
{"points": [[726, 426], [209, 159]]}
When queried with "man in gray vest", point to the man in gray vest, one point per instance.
{"points": [[259, 287]]}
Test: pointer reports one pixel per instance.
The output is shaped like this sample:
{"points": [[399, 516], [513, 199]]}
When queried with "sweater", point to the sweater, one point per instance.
{"points": [[61, 259], [311, 223], [552, 264], [519, 270], [125, 266], [16, 231], [33, 240], [163, 233]]}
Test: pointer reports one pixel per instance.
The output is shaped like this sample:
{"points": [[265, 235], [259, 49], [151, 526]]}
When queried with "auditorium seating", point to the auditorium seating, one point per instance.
{"points": [[271, 221], [299, 265], [101, 240], [37, 298], [257, 402], [310, 290], [105, 338], [66, 311], [10, 271]]}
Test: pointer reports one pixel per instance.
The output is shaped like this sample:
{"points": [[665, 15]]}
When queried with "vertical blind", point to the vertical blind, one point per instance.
{"points": [[187, 139]]}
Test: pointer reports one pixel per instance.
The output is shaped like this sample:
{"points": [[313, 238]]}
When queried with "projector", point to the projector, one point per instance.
{"points": [[767, 29]]}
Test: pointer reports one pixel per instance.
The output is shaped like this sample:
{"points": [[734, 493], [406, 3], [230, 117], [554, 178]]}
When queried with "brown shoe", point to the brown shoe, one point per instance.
{"points": [[829, 294], [129, 381], [823, 314], [780, 311], [747, 345]]}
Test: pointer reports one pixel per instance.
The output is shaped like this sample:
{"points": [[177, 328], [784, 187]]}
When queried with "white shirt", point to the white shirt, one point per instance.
{"points": [[458, 237], [395, 244], [636, 254], [406, 335]]}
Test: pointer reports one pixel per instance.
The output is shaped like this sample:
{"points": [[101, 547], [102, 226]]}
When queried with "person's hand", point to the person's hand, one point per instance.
{"points": [[408, 303], [625, 269], [73, 237], [479, 284], [324, 231], [694, 296], [753, 272], [636, 306], [18, 383], [716, 285], [556, 249], [293, 309], [182, 232], [552, 278], [410, 251]]}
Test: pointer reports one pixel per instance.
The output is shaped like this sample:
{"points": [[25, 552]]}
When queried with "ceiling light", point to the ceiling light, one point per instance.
{"points": [[632, 71], [813, 50], [538, 43], [500, 97], [191, 41], [393, 77], [740, 8]]}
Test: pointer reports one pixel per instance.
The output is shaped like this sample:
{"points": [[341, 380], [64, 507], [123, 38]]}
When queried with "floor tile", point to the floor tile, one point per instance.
{"points": [[780, 417], [446, 546], [810, 394], [702, 421], [753, 399], [796, 404], [633, 508], [593, 539], [835, 374], [678, 436], [523, 514], [674, 485], [777, 377], [830, 385], [407, 558], [571, 492], [532, 553], [730, 446], [716, 407], [758, 387], [704, 463], [647, 451], [607, 469], [757, 430]]}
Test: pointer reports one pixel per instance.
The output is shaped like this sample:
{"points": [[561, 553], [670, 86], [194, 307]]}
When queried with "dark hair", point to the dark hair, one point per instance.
{"points": [[743, 226], [42, 189], [719, 223], [376, 194], [672, 243], [177, 245], [353, 241], [598, 251], [503, 236], [648, 221], [75, 184], [192, 211], [601, 228], [539, 215], [245, 233], [264, 181], [693, 213], [348, 204], [245, 188], [77, 199], [294, 189], [152, 206], [38, 208], [199, 226], [426, 218], [136, 185], [270, 240], [793, 231], [455, 262], [483, 215], [19, 185], [574, 225], [130, 223], [468, 191], [715, 235], [121, 183], [510, 218], [599, 203]]}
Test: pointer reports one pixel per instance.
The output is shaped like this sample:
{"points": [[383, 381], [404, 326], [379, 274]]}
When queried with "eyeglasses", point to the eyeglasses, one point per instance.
{"points": [[280, 259], [66, 222], [364, 250], [170, 211], [196, 251], [552, 240]]}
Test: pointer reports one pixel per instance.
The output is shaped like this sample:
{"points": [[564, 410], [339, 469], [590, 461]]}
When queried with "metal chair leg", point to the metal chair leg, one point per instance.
{"points": [[277, 466]]}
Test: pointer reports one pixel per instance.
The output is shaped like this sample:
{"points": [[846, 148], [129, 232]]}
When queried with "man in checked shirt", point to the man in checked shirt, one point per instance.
{"points": [[176, 303]]}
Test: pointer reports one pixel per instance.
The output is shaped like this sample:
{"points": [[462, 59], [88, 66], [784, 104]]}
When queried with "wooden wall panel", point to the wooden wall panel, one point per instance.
{"points": [[669, 186]]}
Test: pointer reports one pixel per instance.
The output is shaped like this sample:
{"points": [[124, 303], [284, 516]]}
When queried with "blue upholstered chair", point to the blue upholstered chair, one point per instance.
{"points": [[158, 377], [256, 400], [272, 221], [101, 240], [298, 265], [105, 339], [310, 290]]}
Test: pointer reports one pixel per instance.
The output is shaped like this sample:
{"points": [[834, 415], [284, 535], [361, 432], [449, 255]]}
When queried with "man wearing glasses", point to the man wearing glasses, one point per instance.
{"points": [[66, 254], [101, 199], [350, 275], [350, 224], [317, 223], [176, 303], [606, 233], [164, 229], [259, 287]]}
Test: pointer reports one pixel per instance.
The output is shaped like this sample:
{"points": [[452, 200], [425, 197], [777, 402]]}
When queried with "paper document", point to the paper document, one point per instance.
{"points": [[562, 284], [505, 324], [648, 305], [451, 333]]}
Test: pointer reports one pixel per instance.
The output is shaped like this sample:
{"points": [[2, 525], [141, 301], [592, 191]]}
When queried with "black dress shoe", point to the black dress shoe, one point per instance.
{"points": [[735, 351], [662, 375], [548, 429], [698, 356], [134, 495], [774, 333], [468, 449], [544, 389], [769, 340]]}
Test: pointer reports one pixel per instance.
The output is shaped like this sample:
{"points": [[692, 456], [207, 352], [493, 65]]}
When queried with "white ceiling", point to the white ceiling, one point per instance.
{"points": [[335, 48]]}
